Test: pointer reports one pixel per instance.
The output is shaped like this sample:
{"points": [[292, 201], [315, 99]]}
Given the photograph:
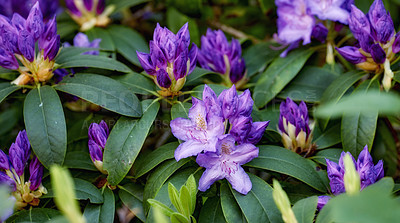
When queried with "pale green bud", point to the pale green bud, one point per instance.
{"points": [[282, 202], [351, 177]]}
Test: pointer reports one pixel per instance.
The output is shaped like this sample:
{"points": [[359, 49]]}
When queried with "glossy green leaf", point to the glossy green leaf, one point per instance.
{"points": [[161, 207], [174, 198], [67, 53], [230, 208], [92, 61], [79, 160], [186, 201], [131, 196], [150, 161], [103, 34], [180, 110], [159, 177], [137, 83], [6, 89], [281, 160], [126, 140], [197, 73], [101, 213], [178, 218], [113, 95], [258, 56], [278, 75], [329, 137], [122, 4], [211, 212], [92, 213], [45, 125], [331, 154], [192, 189], [258, 205], [127, 41], [304, 209], [309, 84], [176, 19], [34, 215]]}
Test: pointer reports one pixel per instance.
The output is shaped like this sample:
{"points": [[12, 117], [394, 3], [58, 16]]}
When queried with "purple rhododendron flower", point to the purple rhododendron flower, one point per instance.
{"points": [[89, 13], [226, 163], [294, 127], [218, 55], [369, 173], [22, 7], [98, 135], [220, 150], [330, 10], [169, 60]]}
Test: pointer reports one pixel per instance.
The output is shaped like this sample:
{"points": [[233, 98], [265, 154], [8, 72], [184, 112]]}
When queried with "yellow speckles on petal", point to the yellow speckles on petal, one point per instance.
{"points": [[201, 122]]}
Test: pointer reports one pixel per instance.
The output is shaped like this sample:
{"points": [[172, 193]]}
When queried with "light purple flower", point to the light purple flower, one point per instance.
{"points": [[98, 134], [329, 10], [322, 200], [226, 163], [169, 60], [218, 55]]}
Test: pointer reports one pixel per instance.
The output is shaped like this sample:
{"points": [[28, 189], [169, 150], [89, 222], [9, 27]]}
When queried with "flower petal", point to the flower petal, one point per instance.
{"points": [[209, 177], [188, 148], [244, 153], [181, 128], [240, 181]]}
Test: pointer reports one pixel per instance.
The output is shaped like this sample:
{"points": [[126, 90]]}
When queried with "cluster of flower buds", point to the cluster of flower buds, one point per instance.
{"points": [[48, 7], [377, 41], [169, 60], [18, 38], [222, 134], [367, 171], [216, 54], [296, 20], [98, 134], [89, 13], [12, 168], [294, 127]]}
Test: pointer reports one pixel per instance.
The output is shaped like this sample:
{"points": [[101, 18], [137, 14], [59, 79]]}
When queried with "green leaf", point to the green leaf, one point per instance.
{"points": [[125, 141], [79, 160], [8, 119], [337, 89], [67, 53], [258, 56], [127, 41], [6, 89], [178, 218], [304, 209], [123, 4], [101, 213], [103, 34], [180, 110], [281, 160], [197, 73], [278, 75], [331, 154], [93, 61], [113, 95], [358, 129], [186, 201], [66, 28], [92, 213], [83, 190], [327, 138], [137, 83], [34, 215], [258, 205], [211, 212], [230, 207], [159, 177], [309, 84], [192, 188], [160, 206], [385, 103], [174, 198], [45, 125], [132, 197], [270, 113], [147, 163], [176, 20]]}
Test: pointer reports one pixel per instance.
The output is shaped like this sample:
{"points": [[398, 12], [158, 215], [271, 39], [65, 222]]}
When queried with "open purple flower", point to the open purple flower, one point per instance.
{"points": [[98, 134], [14, 167], [169, 60], [19, 38], [334, 10], [217, 55], [89, 13], [369, 173], [376, 39], [294, 127], [226, 163]]}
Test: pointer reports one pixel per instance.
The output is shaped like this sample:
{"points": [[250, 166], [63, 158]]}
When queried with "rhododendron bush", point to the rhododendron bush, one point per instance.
{"points": [[199, 111]]}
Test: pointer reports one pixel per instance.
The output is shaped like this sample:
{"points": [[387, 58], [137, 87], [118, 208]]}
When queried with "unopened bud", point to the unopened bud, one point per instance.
{"points": [[351, 177]]}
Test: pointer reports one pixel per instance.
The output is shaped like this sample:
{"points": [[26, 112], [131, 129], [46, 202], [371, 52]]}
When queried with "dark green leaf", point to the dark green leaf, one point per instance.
{"points": [[122, 4], [66, 28], [304, 210], [8, 119], [45, 125], [180, 110], [101, 213], [211, 212], [271, 113], [153, 159], [79, 160], [330, 137], [131, 196], [137, 83], [92, 213], [308, 85], [34, 215], [258, 56], [258, 205], [196, 74], [331, 154], [67, 53], [92, 61], [103, 91], [83, 190], [126, 140], [6, 89], [230, 207], [103, 34], [278, 75], [278, 159]]}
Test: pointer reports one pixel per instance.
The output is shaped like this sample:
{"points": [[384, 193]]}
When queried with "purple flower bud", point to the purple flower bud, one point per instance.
{"points": [[180, 65], [238, 69], [256, 132], [381, 22], [322, 200], [17, 156], [351, 54], [295, 115], [213, 106], [51, 51], [34, 22], [88, 4], [72, 8], [36, 173], [396, 43], [99, 133], [163, 78], [8, 35], [7, 60], [229, 101], [240, 128], [95, 151], [22, 142], [49, 33], [378, 54], [183, 35], [6, 180], [26, 45], [335, 175], [157, 56], [366, 41], [245, 103], [193, 57], [9, 8], [18, 22], [101, 5], [320, 32], [4, 162], [145, 61], [358, 22]]}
